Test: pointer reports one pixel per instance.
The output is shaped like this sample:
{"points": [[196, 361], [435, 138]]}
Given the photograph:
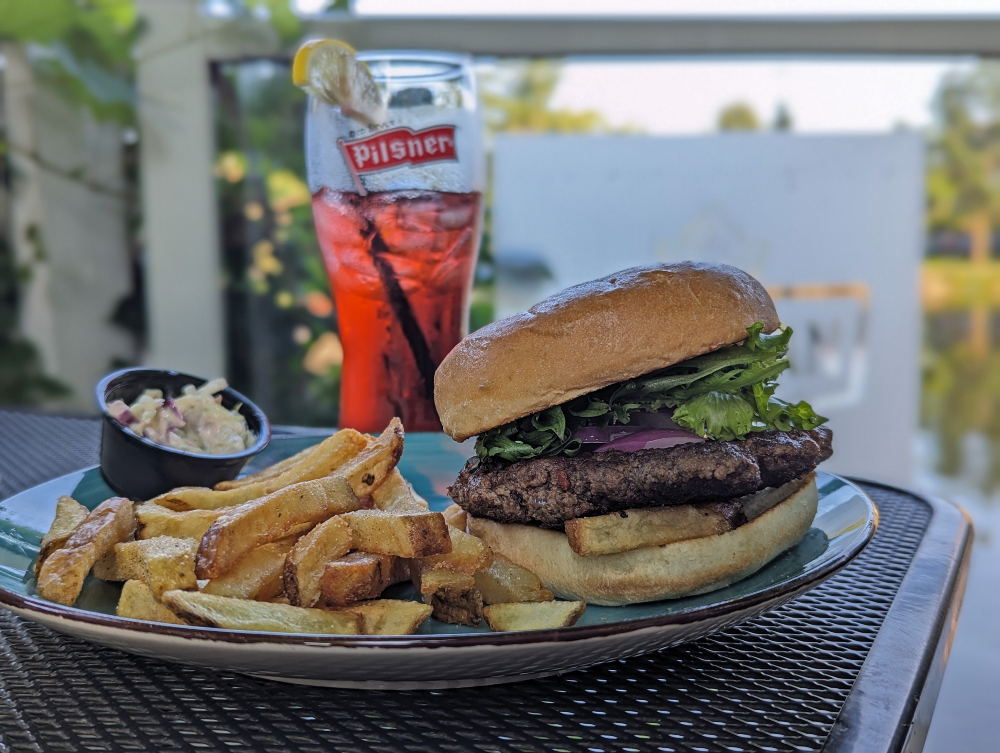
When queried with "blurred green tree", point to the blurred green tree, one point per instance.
{"points": [[739, 116]]}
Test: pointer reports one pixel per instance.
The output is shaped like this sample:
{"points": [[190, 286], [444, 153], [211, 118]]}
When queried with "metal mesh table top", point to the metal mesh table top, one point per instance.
{"points": [[777, 683]]}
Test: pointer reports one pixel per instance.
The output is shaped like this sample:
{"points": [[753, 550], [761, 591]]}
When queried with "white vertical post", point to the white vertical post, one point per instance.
{"points": [[183, 283]]}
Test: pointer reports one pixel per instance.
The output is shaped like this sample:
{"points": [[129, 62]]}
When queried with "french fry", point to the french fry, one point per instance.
{"points": [[369, 468], [390, 616], [356, 577], [414, 534], [61, 576], [306, 562], [256, 576], [468, 554], [457, 517], [328, 457], [69, 515], [154, 520], [533, 616], [453, 597], [504, 582], [396, 495], [267, 473], [242, 529], [655, 526], [164, 563], [138, 603], [238, 614]]}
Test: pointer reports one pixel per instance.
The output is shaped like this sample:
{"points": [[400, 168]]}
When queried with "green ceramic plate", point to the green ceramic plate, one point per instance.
{"points": [[438, 654]]}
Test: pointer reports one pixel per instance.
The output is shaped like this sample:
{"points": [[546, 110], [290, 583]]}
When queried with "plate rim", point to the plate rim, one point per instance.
{"points": [[459, 640]]}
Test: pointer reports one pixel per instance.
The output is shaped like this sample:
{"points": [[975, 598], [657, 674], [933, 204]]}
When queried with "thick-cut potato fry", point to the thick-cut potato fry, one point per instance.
{"points": [[390, 616], [306, 562], [396, 495], [63, 572], [427, 580], [242, 529], [69, 515], [267, 473], [654, 526], [412, 534], [256, 576], [164, 563], [138, 603], [468, 554], [534, 616], [369, 469], [453, 596], [328, 457], [357, 577], [238, 614], [154, 520], [457, 517], [503, 582]]}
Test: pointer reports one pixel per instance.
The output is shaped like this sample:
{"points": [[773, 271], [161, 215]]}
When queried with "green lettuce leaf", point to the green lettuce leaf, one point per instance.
{"points": [[725, 394]]}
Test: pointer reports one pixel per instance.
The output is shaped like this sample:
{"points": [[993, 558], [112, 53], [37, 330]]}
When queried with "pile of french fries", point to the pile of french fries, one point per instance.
{"points": [[307, 545]]}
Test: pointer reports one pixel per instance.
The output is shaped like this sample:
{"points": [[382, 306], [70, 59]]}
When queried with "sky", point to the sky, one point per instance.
{"points": [[823, 96]]}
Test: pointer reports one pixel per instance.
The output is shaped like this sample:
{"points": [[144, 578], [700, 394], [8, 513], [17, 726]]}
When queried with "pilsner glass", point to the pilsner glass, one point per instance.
{"points": [[398, 210]]}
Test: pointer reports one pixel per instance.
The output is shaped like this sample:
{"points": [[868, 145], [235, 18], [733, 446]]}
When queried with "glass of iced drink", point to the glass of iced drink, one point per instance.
{"points": [[396, 176]]}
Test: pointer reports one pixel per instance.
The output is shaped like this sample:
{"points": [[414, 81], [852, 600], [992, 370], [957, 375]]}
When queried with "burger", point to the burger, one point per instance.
{"points": [[629, 443]]}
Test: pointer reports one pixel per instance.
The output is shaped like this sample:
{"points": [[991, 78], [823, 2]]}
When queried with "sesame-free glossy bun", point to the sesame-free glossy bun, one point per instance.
{"points": [[595, 334]]}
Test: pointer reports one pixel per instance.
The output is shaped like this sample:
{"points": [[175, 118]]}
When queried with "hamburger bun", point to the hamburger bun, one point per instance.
{"points": [[638, 320], [683, 568]]}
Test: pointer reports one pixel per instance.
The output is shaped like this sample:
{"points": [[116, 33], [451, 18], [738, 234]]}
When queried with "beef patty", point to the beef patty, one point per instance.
{"points": [[547, 492]]}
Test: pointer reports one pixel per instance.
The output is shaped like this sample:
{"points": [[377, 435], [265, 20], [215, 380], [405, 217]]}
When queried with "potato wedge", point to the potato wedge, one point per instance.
{"points": [[164, 563], [411, 534], [256, 576], [327, 458], [453, 597], [238, 614], [369, 468], [69, 515], [656, 526], [468, 554], [138, 603], [154, 520], [390, 616], [244, 528], [61, 576], [306, 562], [267, 473], [457, 517], [396, 495], [357, 577], [504, 582], [533, 616]]}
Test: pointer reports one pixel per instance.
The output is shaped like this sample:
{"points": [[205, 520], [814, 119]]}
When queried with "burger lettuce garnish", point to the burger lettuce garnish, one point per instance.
{"points": [[725, 394]]}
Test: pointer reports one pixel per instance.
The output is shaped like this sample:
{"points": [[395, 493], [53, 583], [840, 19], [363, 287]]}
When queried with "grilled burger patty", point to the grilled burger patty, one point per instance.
{"points": [[547, 492]]}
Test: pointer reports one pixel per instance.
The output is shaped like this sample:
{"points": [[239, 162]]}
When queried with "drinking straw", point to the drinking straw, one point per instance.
{"points": [[350, 166], [400, 306]]}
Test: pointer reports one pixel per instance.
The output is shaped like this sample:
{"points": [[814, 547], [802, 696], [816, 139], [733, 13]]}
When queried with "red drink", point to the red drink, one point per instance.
{"points": [[400, 265]]}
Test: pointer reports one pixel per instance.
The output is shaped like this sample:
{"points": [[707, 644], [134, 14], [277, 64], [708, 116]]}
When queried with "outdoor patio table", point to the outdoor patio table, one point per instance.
{"points": [[853, 665]]}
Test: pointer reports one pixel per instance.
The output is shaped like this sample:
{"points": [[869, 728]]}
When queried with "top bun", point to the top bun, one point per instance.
{"points": [[595, 334]]}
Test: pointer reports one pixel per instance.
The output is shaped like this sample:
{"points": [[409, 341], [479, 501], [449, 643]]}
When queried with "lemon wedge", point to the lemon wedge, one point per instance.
{"points": [[330, 70]]}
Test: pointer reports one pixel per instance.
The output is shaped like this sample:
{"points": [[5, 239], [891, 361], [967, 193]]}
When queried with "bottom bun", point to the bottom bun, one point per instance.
{"points": [[683, 568]]}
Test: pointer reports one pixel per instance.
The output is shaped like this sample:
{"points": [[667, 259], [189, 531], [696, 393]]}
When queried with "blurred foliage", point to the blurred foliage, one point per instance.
{"points": [[739, 116], [961, 374], [963, 158]]}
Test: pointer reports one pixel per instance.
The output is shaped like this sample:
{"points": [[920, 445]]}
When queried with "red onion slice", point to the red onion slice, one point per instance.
{"points": [[651, 439], [593, 435]]}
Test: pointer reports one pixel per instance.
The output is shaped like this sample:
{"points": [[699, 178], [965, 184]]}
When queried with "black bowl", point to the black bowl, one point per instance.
{"points": [[139, 469]]}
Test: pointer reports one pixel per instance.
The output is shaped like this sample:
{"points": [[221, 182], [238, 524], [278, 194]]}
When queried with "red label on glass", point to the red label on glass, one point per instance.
{"points": [[399, 147]]}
